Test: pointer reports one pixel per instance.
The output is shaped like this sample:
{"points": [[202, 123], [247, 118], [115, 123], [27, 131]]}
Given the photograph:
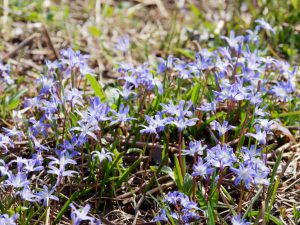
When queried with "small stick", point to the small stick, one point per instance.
{"points": [[21, 45], [50, 42]]}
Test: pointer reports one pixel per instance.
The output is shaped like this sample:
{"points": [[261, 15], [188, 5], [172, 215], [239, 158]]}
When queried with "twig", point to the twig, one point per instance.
{"points": [[21, 45], [50, 43]]}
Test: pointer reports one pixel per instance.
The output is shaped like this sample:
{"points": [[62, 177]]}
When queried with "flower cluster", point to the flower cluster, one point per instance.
{"points": [[68, 132], [185, 210]]}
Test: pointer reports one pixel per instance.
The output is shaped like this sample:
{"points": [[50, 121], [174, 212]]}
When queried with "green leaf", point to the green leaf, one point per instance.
{"points": [[14, 104], [178, 175], [188, 184], [272, 198], [169, 171], [253, 200], [294, 113], [195, 94], [186, 53], [95, 31], [211, 217], [272, 218], [295, 3], [195, 10], [96, 87], [128, 171]]}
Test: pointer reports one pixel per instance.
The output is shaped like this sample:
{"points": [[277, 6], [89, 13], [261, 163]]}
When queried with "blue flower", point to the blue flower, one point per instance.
{"points": [[121, 116], [260, 111], [78, 215], [263, 24], [209, 106], [201, 63], [239, 221], [4, 142], [39, 126], [98, 110], [201, 169], [178, 110], [104, 154], [126, 92], [17, 181], [86, 129], [233, 41], [162, 216], [72, 61], [244, 173], [5, 219], [221, 156], [45, 196], [282, 91], [38, 146], [195, 148], [48, 84], [155, 124], [222, 129], [123, 44], [74, 96], [14, 133], [181, 123], [260, 136]]}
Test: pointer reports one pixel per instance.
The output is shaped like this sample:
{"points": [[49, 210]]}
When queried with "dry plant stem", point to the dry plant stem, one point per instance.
{"points": [[21, 45], [179, 217], [206, 189], [179, 150], [50, 43], [241, 199]]}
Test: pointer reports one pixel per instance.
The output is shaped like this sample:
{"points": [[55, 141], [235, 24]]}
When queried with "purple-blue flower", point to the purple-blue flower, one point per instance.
{"points": [[263, 24], [202, 169], [104, 154], [222, 129], [121, 116], [14, 133], [123, 44], [78, 215], [195, 148], [260, 136], [244, 173], [238, 220], [45, 196]]}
